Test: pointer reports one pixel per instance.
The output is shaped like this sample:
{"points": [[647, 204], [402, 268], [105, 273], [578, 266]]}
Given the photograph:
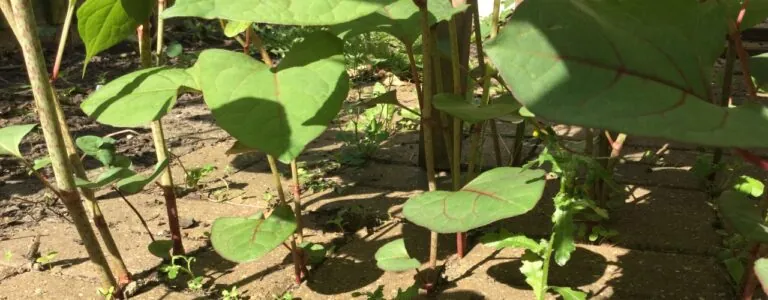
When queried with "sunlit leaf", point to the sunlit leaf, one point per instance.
{"points": [[761, 270], [749, 186], [233, 28], [276, 111], [569, 293], [247, 239], [10, 138], [110, 175], [494, 195], [104, 23], [285, 12], [137, 98], [625, 66], [743, 215], [136, 183], [504, 239], [393, 257]]}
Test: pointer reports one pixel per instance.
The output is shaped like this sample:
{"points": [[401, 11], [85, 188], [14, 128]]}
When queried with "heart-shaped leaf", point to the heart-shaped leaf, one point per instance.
{"points": [[285, 12], [625, 66], [401, 19], [89, 144], [494, 195], [456, 106], [247, 239], [276, 111], [393, 257], [761, 270], [104, 23], [742, 213], [10, 138], [161, 248], [136, 183], [110, 175], [137, 98]]}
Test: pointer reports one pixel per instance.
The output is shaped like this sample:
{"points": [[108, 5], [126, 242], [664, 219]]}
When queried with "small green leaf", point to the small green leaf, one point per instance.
{"points": [[564, 230], [47, 258], [394, 257], [174, 50], [104, 23], [105, 156], [241, 239], [534, 274], [315, 252], [233, 28], [89, 144], [740, 211], [41, 163], [136, 183], [504, 239], [735, 268], [494, 195], [277, 111], [761, 270], [161, 248], [412, 292], [284, 12], [569, 293], [137, 98], [110, 175], [10, 138], [749, 186], [456, 106]]}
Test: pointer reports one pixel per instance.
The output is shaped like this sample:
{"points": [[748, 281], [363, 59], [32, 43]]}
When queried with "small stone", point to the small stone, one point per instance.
{"points": [[131, 288], [186, 223], [38, 291], [163, 233]]}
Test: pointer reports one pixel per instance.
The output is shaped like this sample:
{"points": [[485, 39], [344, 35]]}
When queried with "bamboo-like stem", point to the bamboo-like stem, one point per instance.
{"points": [[443, 121], [426, 117], [161, 149], [63, 39], [5, 7], [415, 74], [495, 18], [297, 201], [456, 170], [725, 99], [300, 270], [160, 32], [26, 33]]}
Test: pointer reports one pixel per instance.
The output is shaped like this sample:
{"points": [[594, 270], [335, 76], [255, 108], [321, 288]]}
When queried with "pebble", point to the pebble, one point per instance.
{"points": [[186, 223]]}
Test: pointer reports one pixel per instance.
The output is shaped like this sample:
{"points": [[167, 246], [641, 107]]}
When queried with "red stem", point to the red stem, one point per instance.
{"points": [[461, 244]]}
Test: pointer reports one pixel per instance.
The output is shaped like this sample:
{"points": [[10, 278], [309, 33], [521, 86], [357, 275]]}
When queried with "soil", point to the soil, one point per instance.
{"points": [[665, 248]]}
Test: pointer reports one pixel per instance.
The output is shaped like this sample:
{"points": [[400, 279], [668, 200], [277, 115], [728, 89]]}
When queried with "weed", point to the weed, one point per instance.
{"points": [[284, 296], [410, 293], [46, 259], [108, 294], [195, 283], [363, 135], [231, 294], [314, 179], [8, 255], [193, 176]]}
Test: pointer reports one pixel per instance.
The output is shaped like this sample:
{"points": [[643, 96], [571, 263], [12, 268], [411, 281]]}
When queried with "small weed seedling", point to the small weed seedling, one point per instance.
{"points": [[410, 293], [8, 255], [195, 283], [107, 294], [231, 294], [194, 175], [46, 259], [284, 296]]}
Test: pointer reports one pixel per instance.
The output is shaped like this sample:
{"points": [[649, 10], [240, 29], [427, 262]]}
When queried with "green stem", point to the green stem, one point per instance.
{"points": [[442, 121], [495, 18], [26, 33], [426, 116], [545, 269], [297, 201]]}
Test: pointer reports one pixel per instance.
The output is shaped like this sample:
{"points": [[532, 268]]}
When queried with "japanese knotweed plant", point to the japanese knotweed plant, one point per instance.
{"points": [[642, 70]]}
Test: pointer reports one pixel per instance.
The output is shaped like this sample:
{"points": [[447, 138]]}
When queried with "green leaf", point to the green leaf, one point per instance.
{"points": [[761, 270], [89, 144], [533, 271], [749, 186], [137, 98], [758, 67], [41, 163], [456, 106], [316, 252], [174, 50], [10, 138], [241, 239], [401, 19], [104, 23], [276, 111], [233, 28], [394, 257], [136, 183], [285, 12], [161, 248], [504, 239], [569, 293], [564, 230], [735, 268], [625, 66], [743, 215], [494, 195], [110, 175], [412, 292]]}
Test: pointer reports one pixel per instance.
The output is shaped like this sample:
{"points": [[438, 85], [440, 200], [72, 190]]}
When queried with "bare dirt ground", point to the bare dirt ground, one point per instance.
{"points": [[665, 247]]}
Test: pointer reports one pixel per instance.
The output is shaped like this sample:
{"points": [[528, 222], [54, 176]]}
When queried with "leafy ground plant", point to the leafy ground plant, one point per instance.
{"points": [[173, 270]]}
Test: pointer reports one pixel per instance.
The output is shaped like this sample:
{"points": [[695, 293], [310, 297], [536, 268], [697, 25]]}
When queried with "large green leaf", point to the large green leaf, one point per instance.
{"points": [[393, 257], [456, 106], [247, 239], [104, 23], [625, 66], [494, 195], [761, 270], [136, 183], [10, 138], [137, 98], [743, 215], [286, 12], [276, 111], [401, 19]]}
